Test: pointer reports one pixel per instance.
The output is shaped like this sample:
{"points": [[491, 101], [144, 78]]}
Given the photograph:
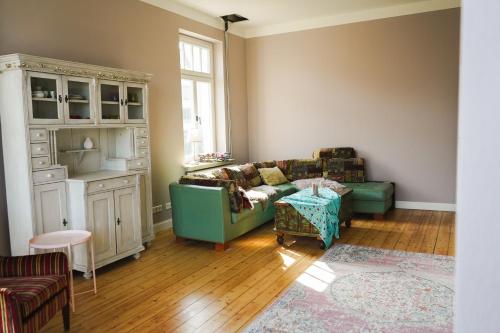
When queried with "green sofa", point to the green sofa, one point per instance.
{"points": [[207, 213], [203, 213]]}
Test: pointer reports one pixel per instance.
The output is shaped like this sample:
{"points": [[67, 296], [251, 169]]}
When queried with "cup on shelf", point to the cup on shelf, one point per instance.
{"points": [[52, 94], [45, 93]]}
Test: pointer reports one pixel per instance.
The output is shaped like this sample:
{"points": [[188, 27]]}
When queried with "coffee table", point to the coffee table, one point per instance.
{"points": [[65, 239], [288, 221]]}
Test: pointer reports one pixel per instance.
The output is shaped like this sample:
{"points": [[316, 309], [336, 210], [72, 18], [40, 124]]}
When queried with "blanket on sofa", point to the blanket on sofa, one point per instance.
{"points": [[322, 211]]}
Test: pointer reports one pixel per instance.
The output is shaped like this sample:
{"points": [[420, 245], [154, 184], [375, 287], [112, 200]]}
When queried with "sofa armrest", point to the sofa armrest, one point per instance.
{"points": [[10, 316], [55, 263], [200, 212]]}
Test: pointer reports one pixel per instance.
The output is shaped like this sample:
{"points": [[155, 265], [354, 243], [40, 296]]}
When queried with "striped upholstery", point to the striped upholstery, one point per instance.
{"points": [[32, 290], [36, 265]]}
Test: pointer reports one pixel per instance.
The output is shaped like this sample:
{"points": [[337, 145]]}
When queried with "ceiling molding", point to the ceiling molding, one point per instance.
{"points": [[359, 16], [307, 24], [193, 14]]}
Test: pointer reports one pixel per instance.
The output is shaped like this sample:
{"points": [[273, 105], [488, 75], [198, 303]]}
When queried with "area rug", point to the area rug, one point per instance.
{"points": [[360, 289]]}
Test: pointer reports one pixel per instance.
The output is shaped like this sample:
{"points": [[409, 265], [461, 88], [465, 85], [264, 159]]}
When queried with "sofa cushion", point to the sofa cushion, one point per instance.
{"points": [[306, 168], [345, 169], [235, 198], [251, 174], [34, 291], [285, 189], [272, 176], [265, 164], [371, 191], [237, 175], [341, 152], [286, 167]]}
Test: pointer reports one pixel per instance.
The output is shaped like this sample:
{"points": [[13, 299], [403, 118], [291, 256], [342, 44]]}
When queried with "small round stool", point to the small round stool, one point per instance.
{"points": [[66, 239]]}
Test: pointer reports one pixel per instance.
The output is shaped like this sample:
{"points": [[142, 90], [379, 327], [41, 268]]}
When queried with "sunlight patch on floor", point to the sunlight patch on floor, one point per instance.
{"points": [[318, 276]]}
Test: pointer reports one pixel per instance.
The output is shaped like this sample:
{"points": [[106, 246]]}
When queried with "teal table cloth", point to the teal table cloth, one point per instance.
{"points": [[322, 211]]}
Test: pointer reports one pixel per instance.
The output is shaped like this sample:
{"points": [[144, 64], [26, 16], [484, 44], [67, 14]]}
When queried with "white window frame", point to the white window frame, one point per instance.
{"points": [[196, 76]]}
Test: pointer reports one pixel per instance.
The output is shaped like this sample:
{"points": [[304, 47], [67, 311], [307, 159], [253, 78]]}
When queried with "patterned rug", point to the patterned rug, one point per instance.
{"points": [[360, 289]]}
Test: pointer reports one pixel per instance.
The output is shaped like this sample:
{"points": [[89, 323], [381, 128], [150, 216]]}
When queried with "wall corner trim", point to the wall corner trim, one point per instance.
{"points": [[163, 225], [445, 207]]}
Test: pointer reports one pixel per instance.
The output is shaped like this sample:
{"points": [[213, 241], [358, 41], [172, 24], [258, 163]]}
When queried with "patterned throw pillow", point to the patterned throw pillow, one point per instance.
{"points": [[251, 174], [346, 170], [236, 175], [341, 152], [235, 199], [266, 164], [285, 167], [272, 176], [307, 168]]}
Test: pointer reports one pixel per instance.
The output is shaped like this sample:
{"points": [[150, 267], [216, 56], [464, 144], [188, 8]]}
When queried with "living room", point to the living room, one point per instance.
{"points": [[184, 147]]}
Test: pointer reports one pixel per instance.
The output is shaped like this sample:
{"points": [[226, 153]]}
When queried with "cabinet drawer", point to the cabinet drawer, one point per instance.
{"points": [[39, 134], [39, 149], [138, 163], [141, 132], [109, 184], [49, 175], [141, 142], [40, 162], [142, 152]]}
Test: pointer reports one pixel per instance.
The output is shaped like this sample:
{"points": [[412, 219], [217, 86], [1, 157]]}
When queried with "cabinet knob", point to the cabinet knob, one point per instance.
{"points": [[50, 175], [65, 223], [118, 221], [38, 135], [39, 149], [125, 181], [41, 162], [101, 185], [143, 141], [139, 163]]}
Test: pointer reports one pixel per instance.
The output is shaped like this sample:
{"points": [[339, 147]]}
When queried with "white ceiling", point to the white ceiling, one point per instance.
{"points": [[268, 17]]}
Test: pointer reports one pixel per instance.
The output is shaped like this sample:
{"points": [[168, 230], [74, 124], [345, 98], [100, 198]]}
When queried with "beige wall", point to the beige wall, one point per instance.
{"points": [[133, 35], [386, 87]]}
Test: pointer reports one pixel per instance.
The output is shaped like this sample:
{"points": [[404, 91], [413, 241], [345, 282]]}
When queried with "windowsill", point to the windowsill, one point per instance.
{"points": [[205, 165]]}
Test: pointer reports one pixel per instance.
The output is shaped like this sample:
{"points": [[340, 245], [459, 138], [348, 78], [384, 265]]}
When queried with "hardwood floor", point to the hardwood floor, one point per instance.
{"points": [[188, 287]]}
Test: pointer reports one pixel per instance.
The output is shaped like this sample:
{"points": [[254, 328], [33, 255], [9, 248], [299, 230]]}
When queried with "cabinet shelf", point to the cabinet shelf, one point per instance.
{"points": [[109, 102], [81, 101], [78, 150], [43, 99], [134, 104]]}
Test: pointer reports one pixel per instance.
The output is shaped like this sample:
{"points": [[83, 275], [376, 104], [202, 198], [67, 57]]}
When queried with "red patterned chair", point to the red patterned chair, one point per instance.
{"points": [[32, 290]]}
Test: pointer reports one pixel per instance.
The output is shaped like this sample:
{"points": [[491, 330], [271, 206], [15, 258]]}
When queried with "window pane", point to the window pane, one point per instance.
{"points": [[205, 60], [196, 59], [188, 56], [188, 116], [181, 53], [204, 102]]}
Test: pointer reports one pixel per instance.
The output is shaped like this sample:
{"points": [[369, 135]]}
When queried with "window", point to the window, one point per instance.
{"points": [[197, 82]]}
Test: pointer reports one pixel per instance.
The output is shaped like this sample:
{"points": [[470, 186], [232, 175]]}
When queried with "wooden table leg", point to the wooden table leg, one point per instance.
{"points": [[70, 260], [93, 264]]}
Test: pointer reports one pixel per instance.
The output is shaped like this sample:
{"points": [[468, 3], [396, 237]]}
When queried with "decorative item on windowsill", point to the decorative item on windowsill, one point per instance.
{"points": [[214, 157], [194, 137]]}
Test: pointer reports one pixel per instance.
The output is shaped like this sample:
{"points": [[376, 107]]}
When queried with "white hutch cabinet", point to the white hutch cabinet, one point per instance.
{"points": [[48, 109]]}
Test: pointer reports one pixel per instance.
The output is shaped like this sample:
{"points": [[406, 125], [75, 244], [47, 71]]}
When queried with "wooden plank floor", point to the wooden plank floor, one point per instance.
{"points": [[189, 287]]}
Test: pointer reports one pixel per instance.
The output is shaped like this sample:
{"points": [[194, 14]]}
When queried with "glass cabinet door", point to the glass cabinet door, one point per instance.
{"points": [[45, 98], [135, 100], [78, 99], [111, 101]]}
